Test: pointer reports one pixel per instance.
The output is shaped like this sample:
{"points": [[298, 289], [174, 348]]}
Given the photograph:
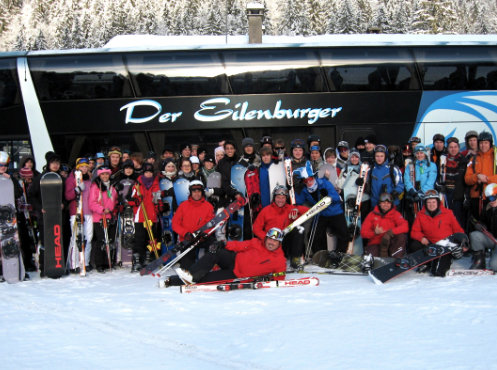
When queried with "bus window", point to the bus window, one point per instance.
{"points": [[369, 69], [80, 77], [177, 74], [273, 71], [457, 68], [9, 90]]}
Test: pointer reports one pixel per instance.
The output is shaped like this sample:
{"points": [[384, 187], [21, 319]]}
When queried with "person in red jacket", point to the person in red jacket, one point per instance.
{"points": [[254, 257], [434, 223], [280, 214], [147, 203], [385, 229], [190, 216]]}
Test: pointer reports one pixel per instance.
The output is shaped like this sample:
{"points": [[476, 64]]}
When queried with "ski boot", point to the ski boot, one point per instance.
{"points": [[295, 263], [136, 265], [148, 258], [478, 261], [334, 259], [367, 262], [184, 275]]}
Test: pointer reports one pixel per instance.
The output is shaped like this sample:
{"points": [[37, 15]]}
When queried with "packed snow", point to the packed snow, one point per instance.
{"points": [[123, 320]]}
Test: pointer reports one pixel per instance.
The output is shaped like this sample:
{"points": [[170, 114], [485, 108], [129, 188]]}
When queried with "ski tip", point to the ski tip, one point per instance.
{"points": [[375, 279]]}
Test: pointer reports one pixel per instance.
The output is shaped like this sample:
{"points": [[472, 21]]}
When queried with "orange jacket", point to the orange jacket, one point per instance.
{"points": [[484, 164]]}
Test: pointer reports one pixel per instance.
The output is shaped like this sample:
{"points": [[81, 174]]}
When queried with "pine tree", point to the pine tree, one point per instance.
{"points": [[348, 17], [318, 17]]}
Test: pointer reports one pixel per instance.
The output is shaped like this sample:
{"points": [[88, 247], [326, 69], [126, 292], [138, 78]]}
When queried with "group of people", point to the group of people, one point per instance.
{"points": [[412, 196]]}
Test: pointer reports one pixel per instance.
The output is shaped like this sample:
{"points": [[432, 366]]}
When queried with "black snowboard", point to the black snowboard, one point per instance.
{"points": [[51, 196], [411, 261]]}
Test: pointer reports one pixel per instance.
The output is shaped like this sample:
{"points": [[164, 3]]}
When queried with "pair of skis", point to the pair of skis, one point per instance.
{"points": [[225, 287], [363, 174]]}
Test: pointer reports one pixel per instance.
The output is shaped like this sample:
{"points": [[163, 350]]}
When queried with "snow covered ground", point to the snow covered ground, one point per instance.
{"points": [[122, 320]]}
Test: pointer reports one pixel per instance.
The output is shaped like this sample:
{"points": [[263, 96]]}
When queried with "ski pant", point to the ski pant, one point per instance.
{"points": [[337, 226], [293, 243], [73, 256], [189, 259], [437, 267], [142, 239], [456, 206], [480, 242], [99, 250], [395, 247], [201, 270]]}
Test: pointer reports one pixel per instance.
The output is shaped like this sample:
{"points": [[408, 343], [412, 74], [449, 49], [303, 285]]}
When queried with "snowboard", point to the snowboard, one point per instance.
{"points": [[51, 197], [411, 261], [208, 228], [235, 225], [168, 239], [12, 263], [253, 187], [125, 231], [213, 182], [277, 176], [181, 190]]}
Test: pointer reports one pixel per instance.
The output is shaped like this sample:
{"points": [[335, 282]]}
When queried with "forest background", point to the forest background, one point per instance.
{"points": [[67, 24]]}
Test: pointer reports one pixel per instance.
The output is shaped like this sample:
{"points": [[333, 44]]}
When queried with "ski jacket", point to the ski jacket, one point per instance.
{"points": [[224, 168], [454, 176], [392, 220], [435, 228], [101, 198], [191, 215], [367, 157], [324, 188], [149, 200], [346, 181], [274, 216], [254, 259], [435, 156], [383, 179], [483, 163], [71, 195], [425, 172]]}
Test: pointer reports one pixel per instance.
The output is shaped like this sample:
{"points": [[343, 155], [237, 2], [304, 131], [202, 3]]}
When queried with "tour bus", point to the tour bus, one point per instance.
{"points": [[140, 96]]}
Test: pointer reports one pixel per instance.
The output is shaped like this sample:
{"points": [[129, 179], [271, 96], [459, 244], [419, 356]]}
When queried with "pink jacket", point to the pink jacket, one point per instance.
{"points": [[70, 195], [99, 200]]}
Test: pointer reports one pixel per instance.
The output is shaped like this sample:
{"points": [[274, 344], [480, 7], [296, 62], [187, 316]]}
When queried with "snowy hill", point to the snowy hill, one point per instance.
{"points": [[122, 320]]}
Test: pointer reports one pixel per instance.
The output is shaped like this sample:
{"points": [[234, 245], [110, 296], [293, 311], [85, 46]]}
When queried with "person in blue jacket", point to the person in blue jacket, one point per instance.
{"points": [[424, 175], [383, 178], [331, 217]]}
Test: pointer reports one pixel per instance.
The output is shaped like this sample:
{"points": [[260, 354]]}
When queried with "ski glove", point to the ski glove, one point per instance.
{"points": [[359, 181], [216, 246], [167, 193], [189, 237], [323, 192], [209, 192]]}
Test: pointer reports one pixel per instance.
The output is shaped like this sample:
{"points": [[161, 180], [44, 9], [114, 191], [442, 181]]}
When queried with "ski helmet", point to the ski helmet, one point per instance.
{"points": [[380, 148], [491, 192], [470, 134], [297, 143], [386, 197], [4, 159], [486, 136], [280, 190], [438, 137], [275, 233], [196, 185], [312, 138], [419, 148], [431, 194]]}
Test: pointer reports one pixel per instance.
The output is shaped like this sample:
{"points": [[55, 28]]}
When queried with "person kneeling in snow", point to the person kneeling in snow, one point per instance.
{"points": [[236, 259], [432, 224], [385, 229]]}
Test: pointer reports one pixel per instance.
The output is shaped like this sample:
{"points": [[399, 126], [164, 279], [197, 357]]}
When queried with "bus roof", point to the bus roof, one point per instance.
{"points": [[140, 43]]}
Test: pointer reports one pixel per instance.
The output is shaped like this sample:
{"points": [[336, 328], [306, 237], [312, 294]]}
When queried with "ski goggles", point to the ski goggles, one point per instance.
{"points": [[275, 233], [492, 198]]}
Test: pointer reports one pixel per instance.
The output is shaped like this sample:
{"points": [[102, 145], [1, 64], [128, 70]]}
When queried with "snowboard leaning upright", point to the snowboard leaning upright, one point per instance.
{"points": [[12, 264], [51, 198]]}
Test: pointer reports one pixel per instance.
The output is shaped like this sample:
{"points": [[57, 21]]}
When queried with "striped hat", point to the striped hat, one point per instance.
{"points": [[26, 173]]}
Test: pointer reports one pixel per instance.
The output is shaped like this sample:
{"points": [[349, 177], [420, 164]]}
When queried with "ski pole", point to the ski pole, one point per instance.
{"points": [[147, 224], [311, 238], [106, 239]]}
